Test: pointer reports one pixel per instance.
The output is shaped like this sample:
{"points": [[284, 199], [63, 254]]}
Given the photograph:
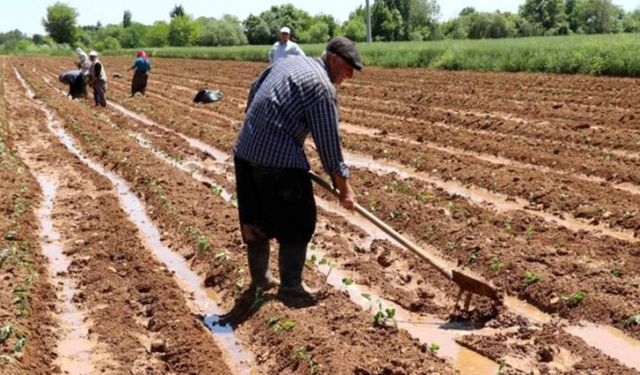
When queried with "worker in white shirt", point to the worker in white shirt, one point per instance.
{"points": [[284, 47]]}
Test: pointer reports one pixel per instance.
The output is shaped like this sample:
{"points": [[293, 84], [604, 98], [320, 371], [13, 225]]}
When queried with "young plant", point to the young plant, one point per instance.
{"points": [[304, 356], [434, 347], [496, 265], [6, 332], [616, 272], [203, 244], [531, 278], [347, 281], [217, 190], [574, 299], [634, 320], [326, 262], [383, 318]]}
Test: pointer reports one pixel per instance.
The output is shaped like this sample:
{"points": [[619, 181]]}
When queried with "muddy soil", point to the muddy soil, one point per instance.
{"points": [[522, 250]]}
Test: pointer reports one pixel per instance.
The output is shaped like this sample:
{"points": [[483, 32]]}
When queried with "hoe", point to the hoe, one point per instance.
{"points": [[468, 283]]}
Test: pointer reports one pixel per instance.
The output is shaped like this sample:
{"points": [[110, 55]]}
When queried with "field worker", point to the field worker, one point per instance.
{"points": [[284, 47], [142, 67], [98, 80], [75, 80], [288, 101], [84, 64]]}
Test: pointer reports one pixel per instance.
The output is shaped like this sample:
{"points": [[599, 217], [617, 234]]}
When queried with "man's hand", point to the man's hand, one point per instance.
{"points": [[347, 196]]}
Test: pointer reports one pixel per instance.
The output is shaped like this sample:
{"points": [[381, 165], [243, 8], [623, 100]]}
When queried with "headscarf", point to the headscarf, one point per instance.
{"points": [[141, 54], [81, 54]]}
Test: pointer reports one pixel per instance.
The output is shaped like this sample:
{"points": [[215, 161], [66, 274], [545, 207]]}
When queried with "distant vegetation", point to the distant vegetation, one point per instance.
{"points": [[615, 55], [502, 40]]}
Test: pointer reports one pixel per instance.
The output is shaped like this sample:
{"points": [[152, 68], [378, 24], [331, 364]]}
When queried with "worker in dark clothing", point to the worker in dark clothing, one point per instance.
{"points": [[291, 99], [75, 80]]}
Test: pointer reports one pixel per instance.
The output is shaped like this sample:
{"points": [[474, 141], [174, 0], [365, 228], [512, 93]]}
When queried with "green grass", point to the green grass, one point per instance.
{"points": [[614, 55]]}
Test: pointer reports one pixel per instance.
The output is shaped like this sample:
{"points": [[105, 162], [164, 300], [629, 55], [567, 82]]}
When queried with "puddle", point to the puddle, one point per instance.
{"points": [[240, 360], [610, 341], [428, 330], [502, 203], [74, 348]]}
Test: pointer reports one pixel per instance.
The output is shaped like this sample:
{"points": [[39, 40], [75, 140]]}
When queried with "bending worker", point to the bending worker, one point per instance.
{"points": [[284, 47], [288, 101]]}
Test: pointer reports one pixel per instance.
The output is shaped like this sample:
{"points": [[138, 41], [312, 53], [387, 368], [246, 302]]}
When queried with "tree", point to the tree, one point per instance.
{"points": [[60, 23], [108, 43], [355, 29], [386, 24], [224, 32], [319, 32], [631, 22], [182, 32], [133, 36], [264, 28], [600, 16], [126, 19], [466, 10], [177, 11], [157, 35], [549, 14]]}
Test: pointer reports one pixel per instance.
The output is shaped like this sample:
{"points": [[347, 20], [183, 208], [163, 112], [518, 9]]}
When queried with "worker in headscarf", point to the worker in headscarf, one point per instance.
{"points": [[142, 66]]}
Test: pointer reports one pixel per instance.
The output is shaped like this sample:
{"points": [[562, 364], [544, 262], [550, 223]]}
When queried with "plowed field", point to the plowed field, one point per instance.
{"points": [[120, 242]]}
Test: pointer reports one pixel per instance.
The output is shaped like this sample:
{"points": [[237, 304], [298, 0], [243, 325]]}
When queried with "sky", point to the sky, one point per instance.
{"points": [[26, 15]]}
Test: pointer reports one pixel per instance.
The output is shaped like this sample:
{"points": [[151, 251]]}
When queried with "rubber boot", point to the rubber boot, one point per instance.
{"points": [[291, 260], [258, 257]]}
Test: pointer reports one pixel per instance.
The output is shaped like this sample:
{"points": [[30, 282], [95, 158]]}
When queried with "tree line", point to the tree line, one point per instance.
{"points": [[392, 20]]}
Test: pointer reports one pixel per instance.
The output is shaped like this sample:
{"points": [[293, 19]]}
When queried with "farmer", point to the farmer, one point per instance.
{"points": [[284, 47], [98, 80], [84, 64], [275, 198], [75, 80], [142, 67]]}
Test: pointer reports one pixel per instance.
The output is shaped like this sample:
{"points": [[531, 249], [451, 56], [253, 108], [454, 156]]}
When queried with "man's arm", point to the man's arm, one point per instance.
{"points": [[298, 51], [323, 121]]}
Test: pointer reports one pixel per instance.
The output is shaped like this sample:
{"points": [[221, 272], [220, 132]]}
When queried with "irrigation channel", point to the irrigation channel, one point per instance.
{"points": [[145, 187]]}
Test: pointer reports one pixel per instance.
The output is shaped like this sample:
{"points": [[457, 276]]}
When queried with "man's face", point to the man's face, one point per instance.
{"points": [[340, 69], [92, 58], [284, 37]]}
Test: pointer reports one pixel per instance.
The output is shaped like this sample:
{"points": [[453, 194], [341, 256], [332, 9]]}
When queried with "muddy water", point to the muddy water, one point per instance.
{"points": [[610, 341], [74, 348], [239, 359], [429, 330], [500, 202]]}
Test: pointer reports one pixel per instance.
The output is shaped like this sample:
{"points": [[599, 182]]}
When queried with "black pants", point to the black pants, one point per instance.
{"points": [[279, 201]]}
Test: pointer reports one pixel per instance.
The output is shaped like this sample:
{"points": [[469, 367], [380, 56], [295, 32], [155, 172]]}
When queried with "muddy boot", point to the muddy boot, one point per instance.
{"points": [[291, 259], [258, 257]]}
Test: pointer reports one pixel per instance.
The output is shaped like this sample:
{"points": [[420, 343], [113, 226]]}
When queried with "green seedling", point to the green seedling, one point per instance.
{"points": [[634, 320], [502, 365], [302, 355], [6, 359], [347, 281], [382, 318], [616, 272], [323, 262], [20, 343], [287, 325], [11, 235], [6, 332], [424, 197], [217, 190], [203, 244], [313, 259], [496, 265], [531, 278], [574, 299], [434, 347], [273, 321], [4, 256]]}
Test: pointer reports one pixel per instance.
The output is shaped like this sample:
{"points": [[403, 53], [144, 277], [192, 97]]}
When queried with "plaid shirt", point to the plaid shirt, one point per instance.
{"points": [[290, 99]]}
